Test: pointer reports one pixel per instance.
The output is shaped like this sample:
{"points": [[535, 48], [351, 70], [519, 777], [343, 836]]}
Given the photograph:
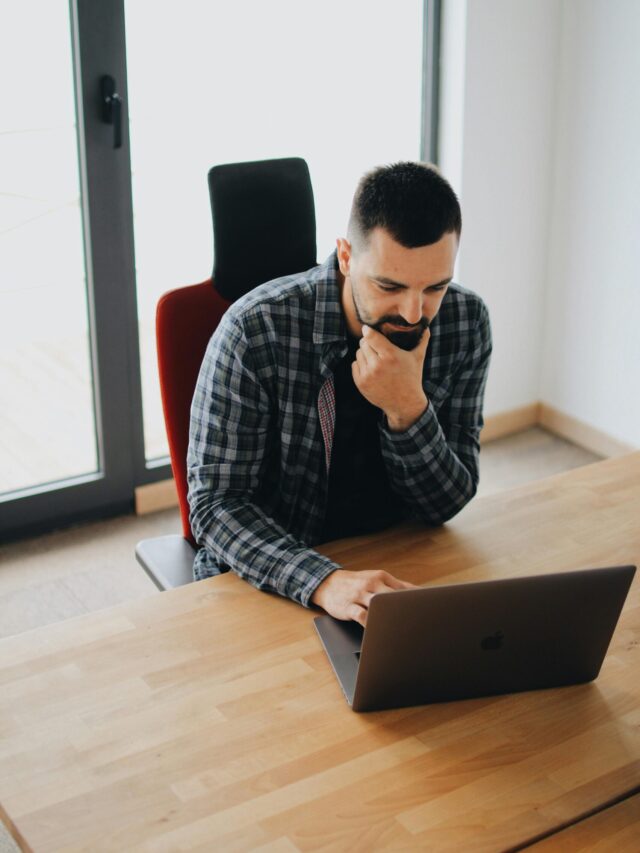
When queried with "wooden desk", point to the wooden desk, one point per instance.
{"points": [[208, 717], [613, 830]]}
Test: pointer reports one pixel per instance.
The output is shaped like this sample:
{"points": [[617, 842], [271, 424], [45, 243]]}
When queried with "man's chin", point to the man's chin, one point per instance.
{"points": [[405, 340]]}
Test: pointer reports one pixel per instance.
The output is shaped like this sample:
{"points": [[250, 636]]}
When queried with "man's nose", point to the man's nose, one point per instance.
{"points": [[411, 309]]}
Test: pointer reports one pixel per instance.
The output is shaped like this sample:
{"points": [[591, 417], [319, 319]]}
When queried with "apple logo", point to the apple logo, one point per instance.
{"points": [[493, 641]]}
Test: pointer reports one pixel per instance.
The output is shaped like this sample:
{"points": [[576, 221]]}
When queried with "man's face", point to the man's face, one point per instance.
{"points": [[396, 290]]}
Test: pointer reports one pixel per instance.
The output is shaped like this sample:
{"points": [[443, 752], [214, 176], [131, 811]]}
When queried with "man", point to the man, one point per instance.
{"points": [[341, 400]]}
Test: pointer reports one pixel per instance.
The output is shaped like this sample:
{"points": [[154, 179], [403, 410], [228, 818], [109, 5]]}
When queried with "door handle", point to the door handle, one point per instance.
{"points": [[111, 108]]}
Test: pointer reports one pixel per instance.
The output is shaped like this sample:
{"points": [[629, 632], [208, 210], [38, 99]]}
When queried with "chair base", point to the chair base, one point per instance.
{"points": [[168, 560]]}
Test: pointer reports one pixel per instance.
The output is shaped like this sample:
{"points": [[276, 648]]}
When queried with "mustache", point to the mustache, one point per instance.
{"points": [[423, 324]]}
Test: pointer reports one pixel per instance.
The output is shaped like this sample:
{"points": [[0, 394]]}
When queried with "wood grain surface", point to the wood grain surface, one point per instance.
{"points": [[613, 830], [208, 717]]}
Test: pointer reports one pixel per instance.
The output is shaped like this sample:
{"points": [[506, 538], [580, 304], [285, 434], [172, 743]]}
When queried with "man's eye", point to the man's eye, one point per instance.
{"points": [[387, 288]]}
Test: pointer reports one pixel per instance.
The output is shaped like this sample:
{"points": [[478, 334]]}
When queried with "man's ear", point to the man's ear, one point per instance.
{"points": [[344, 254]]}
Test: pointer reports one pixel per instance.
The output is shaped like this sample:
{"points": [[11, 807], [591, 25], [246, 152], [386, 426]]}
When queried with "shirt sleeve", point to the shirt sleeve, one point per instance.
{"points": [[434, 465], [229, 439]]}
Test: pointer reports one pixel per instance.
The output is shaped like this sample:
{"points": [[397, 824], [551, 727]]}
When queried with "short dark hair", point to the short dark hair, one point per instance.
{"points": [[412, 201]]}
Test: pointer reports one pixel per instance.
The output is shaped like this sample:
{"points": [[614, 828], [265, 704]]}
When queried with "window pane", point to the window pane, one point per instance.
{"points": [[47, 424], [338, 83]]}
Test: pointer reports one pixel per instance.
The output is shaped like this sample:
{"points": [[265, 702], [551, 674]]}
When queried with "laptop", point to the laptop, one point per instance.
{"points": [[443, 643]]}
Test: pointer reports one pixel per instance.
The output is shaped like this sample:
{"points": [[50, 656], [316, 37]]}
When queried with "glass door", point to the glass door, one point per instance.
{"points": [[48, 419], [69, 396]]}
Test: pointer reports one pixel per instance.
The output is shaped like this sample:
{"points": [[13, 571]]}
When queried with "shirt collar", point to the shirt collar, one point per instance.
{"points": [[329, 323]]}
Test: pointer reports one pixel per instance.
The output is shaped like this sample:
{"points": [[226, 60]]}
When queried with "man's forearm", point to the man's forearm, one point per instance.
{"points": [[437, 474], [434, 477], [242, 538]]}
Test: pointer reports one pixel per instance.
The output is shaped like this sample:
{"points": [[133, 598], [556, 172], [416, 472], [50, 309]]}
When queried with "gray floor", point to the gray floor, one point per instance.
{"points": [[527, 456], [87, 568]]}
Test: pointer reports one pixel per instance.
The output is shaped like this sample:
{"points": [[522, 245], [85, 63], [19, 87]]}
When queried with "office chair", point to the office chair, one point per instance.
{"points": [[263, 227]]}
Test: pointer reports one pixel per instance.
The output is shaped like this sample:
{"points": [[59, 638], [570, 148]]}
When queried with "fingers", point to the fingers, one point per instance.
{"points": [[421, 349], [377, 342], [396, 583], [365, 597], [358, 614], [375, 583], [367, 353], [375, 338], [359, 610], [347, 595]]}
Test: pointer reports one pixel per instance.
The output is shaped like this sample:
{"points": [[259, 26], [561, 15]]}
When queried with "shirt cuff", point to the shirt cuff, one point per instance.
{"points": [[427, 427], [306, 573]]}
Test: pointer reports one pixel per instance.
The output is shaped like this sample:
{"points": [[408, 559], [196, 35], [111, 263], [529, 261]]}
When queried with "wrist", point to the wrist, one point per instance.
{"points": [[319, 592], [400, 421]]}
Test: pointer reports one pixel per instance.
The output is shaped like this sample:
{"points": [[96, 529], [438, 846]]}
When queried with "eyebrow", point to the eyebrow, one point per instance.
{"points": [[381, 279]]}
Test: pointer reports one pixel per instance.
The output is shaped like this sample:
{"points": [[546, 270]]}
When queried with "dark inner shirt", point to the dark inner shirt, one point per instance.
{"points": [[360, 497]]}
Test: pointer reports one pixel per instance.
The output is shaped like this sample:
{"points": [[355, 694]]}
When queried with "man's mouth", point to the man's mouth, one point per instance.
{"points": [[403, 328]]}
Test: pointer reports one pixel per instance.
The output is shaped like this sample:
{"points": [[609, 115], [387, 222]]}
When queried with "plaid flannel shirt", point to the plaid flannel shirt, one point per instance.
{"points": [[262, 423]]}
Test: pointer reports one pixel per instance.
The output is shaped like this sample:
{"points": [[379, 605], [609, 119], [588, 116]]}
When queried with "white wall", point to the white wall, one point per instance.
{"points": [[540, 132], [591, 355], [503, 172]]}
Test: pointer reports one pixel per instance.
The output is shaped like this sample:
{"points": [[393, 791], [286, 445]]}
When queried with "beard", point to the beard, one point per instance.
{"points": [[407, 341]]}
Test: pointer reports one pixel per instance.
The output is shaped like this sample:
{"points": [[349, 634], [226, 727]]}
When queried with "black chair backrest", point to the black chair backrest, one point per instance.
{"points": [[264, 223]]}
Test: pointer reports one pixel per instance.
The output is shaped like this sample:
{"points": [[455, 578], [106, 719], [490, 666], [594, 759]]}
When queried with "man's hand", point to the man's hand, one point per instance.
{"points": [[346, 595], [391, 378]]}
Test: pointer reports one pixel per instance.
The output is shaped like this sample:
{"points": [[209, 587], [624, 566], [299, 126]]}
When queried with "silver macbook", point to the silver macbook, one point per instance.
{"points": [[441, 643]]}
